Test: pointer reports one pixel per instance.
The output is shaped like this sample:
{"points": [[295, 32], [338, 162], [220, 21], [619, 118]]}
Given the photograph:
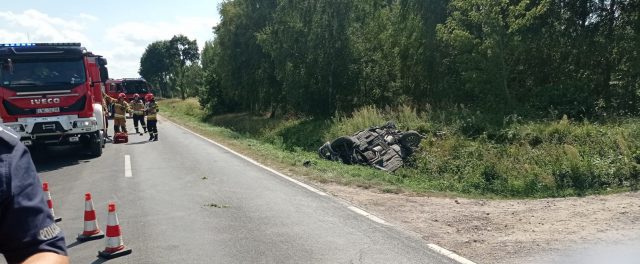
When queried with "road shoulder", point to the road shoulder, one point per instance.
{"points": [[505, 231]]}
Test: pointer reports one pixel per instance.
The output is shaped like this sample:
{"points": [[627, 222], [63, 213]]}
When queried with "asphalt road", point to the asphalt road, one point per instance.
{"points": [[189, 201]]}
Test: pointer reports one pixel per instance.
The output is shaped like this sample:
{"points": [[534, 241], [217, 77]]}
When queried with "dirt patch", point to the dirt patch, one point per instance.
{"points": [[505, 231]]}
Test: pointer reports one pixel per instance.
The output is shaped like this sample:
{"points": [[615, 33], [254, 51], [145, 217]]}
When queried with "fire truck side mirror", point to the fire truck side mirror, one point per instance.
{"points": [[104, 72], [104, 75]]}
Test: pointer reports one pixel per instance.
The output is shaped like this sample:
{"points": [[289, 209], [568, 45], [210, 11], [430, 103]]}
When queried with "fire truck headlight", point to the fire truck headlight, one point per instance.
{"points": [[16, 127], [85, 124]]}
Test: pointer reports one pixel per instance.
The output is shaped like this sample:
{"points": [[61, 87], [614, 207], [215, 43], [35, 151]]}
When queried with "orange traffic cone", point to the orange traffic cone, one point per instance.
{"points": [[115, 247], [45, 188], [91, 230]]}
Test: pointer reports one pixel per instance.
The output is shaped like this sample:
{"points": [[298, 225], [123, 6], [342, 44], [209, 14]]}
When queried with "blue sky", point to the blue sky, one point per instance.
{"points": [[120, 30]]}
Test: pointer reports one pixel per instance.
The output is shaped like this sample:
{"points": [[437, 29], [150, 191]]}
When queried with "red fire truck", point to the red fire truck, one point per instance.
{"points": [[51, 94], [128, 86]]}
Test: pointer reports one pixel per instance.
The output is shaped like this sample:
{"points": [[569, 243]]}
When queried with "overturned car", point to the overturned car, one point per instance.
{"points": [[384, 147]]}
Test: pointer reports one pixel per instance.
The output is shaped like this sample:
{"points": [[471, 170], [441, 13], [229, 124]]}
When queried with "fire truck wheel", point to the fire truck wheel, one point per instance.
{"points": [[95, 146], [103, 139]]}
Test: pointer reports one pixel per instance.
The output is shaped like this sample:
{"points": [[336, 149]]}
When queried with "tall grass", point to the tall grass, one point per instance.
{"points": [[464, 151]]}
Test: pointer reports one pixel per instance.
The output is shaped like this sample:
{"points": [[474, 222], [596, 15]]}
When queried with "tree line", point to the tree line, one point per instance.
{"points": [[172, 66], [322, 57]]}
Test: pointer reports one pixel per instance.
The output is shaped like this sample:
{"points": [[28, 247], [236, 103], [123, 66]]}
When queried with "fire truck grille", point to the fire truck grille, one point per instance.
{"points": [[47, 127]]}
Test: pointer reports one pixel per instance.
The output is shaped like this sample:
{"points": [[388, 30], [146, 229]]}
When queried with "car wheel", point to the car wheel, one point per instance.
{"points": [[410, 139]]}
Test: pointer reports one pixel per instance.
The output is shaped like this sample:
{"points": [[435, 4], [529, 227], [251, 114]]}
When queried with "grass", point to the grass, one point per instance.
{"points": [[465, 153]]}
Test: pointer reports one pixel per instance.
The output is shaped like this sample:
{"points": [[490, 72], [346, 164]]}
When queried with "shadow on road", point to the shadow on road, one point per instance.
{"points": [[54, 158], [138, 143], [98, 261], [75, 243]]}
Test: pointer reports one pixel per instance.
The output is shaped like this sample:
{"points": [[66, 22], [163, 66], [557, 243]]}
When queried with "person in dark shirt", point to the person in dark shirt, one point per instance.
{"points": [[28, 233]]}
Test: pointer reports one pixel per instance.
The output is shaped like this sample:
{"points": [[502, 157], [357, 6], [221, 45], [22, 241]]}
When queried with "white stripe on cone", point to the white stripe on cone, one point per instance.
{"points": [[113, 243], [45, 188], [91, 225], [50, 201]]}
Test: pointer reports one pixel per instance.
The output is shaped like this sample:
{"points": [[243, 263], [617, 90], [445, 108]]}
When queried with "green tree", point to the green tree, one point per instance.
{"points": [[420, 54], [182, 53], [375, 61], [211, 95], [321, 57], [155, 66], [245, 72], [308, 41], [193, 79]]}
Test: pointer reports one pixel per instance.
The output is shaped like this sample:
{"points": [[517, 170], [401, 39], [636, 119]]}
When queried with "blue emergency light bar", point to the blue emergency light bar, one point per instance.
{"points": [[68, 44]]}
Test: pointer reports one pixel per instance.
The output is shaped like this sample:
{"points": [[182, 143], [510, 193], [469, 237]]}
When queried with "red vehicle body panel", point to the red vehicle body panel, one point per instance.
{"points": [[79, 95], [62, 100]]}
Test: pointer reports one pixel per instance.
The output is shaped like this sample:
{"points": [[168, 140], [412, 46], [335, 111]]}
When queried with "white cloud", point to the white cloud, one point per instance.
{"points": [[122, 43], [131, 38], [88, 17], [35, 26], [135, 33], [9, 37]]}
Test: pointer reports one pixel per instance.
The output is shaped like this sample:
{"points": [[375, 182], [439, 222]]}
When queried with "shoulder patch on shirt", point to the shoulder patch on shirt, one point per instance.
{"points": [[49, 232]]}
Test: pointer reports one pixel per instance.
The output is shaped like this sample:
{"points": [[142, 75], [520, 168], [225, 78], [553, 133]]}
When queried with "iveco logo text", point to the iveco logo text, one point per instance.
{"points": [[45, 101]]}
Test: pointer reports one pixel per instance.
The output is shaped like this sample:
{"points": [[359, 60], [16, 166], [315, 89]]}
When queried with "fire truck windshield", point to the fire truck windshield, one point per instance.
{"points": [[139, 87], [26, 74]]}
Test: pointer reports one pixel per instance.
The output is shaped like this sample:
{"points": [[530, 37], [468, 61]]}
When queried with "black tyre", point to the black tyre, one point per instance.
{"points": [[410, 139], [325, 151], [343, 146], [103, 139], [95, 145]]}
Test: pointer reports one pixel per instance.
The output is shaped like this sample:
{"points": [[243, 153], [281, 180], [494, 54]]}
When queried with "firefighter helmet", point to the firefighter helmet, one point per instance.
{"points": [[148, 97], [122, 95], [136, 96]]}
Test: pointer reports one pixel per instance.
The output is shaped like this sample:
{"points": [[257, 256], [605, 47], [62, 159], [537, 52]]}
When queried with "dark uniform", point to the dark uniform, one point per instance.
{"points": [[152, 120], [26, 223], [138, 114]]}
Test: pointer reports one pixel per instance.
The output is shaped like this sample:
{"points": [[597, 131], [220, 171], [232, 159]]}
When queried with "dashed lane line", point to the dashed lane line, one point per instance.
{"points": [[127, 166]]}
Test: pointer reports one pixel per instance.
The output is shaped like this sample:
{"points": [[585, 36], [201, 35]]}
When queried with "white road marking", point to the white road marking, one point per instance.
{"points": [[368, 215], [450, 254], [304, 185], [127, 166]]}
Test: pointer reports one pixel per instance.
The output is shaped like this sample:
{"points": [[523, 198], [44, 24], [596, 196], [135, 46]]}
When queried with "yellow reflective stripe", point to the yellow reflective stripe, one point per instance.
{"points": [[119, 115]]}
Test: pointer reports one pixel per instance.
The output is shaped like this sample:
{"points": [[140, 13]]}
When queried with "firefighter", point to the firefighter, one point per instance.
{"points": [[121, 107], [152, 121], [138, 113]]}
